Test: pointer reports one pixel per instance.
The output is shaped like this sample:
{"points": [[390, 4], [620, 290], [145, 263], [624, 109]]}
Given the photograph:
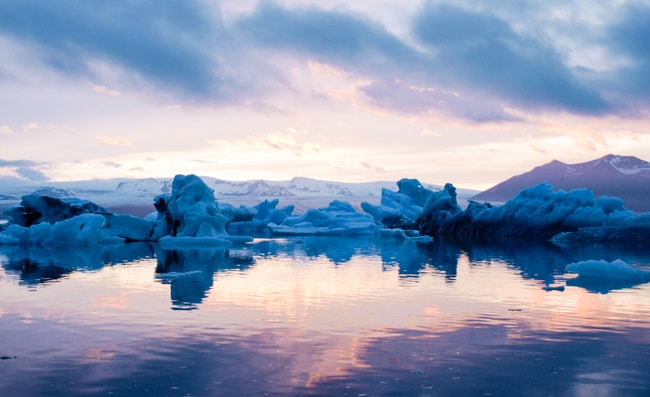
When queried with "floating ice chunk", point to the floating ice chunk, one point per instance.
{"points": [[603, 277], [438, 210], [399, 209], [191, 209], [336, 219], [16, 234], [265, 213], [601, 269], [237, 214], [35, 209], [414, 190], [538, 212], [8, 240], [387, 216], [619, 227], [132, 228], [84, 229]]}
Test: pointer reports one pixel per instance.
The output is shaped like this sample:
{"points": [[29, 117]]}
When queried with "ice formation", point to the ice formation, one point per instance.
{"points": [[337, 218], [602, 276], [399, 209], [601, 269], [190, 215], [264, 213], [537, 212], [36, 209]]}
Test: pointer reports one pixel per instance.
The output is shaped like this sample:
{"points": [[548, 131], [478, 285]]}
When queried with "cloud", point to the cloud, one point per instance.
{"points": [[287, 142], [17, 163], [467, 61], [111, 164], [168, 43], [30, 126], [25, 169], [630, 31], [6, 130], [113, 141], [627, 37], [431, 132], [476, 55], [31, 174], [100, 89], [397, 96], [331, 36], [290, 140], [481, 52], [372, 167]]}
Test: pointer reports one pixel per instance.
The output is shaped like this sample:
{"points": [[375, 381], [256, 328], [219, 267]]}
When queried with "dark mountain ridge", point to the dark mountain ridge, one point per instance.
{"points": [[626, 177]]}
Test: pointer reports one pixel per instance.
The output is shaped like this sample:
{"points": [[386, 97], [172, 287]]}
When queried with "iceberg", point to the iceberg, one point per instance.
{"points": [[35, 209], [536, 212], [338, 218], [264, 213], [399, 209], [628, 229], [602, 276], [191, 209], [190, 215], [187, 215], [84, 229], [600, 269]]}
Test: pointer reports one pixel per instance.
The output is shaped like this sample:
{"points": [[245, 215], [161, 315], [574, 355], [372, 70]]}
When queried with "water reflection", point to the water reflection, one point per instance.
{"points": [[190, 271], [479, 360], [544, 262], [36, 264], [319, 316]]}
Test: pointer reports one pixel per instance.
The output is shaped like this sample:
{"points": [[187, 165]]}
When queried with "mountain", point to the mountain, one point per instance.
{"points": [[136, 195], [626, 177]]}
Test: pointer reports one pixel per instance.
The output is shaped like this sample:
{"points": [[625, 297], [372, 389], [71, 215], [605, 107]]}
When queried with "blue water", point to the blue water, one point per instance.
{"points": [[319, 317]]}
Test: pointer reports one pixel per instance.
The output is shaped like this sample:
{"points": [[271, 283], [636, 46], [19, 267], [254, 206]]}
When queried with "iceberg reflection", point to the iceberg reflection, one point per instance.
{"points": [[317, 316]]}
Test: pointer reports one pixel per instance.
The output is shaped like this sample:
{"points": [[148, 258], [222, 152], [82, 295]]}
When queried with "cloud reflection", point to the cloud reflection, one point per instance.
{"points": [[320, 316]]}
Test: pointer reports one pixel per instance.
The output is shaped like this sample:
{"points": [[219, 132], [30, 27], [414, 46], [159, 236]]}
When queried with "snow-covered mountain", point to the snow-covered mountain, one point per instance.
{"points": [[302, 187], [626, 177], [126, 194]]}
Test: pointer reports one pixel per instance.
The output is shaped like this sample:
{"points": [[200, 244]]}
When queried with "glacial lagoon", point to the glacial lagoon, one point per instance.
{"points": [[321, 316]]}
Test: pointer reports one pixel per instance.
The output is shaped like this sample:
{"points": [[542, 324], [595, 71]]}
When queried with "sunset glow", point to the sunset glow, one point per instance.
{"points": [[441, 91]]}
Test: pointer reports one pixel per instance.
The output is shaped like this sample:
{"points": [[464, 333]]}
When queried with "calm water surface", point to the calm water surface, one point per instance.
{"points": [[320, 316]]}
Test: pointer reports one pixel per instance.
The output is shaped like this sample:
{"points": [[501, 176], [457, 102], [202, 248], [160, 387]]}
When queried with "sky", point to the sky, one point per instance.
{"points": [[467, 92]]}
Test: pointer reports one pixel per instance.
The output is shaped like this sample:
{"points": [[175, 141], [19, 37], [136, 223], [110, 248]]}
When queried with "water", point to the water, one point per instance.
{"points": [[319, 317]]}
